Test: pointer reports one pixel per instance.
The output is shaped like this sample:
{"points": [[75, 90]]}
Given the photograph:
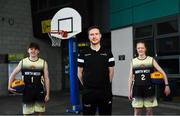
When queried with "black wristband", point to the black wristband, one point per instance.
{"points": [[166, 84]]}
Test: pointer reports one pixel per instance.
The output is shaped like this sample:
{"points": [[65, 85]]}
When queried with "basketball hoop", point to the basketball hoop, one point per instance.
{"points": [[56, 42], [66, 23]]}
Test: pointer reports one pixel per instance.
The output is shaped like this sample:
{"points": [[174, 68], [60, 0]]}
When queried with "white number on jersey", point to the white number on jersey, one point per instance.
{"points": [[143, 77]]}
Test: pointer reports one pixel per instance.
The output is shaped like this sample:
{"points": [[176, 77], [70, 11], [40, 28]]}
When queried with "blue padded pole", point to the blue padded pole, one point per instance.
{"points": [[74, 86]]}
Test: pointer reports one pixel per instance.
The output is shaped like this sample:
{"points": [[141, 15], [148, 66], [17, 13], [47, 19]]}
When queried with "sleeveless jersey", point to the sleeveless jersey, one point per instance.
{"points": [[32, 73], [142, 68]]}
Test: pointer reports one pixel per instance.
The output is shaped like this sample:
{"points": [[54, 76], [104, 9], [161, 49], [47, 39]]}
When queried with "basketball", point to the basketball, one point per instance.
{"points": [[18, 85], [157, 77]]}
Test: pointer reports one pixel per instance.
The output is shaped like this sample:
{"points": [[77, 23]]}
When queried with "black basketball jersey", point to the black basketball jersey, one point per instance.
{"points": [[33, 72], [142, 69]]}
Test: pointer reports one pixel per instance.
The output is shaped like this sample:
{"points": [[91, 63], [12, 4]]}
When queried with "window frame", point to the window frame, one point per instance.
{"points": [[155, 37]]}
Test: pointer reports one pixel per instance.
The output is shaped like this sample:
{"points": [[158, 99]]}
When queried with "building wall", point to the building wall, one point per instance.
{"points": [[128, 12], [16, 33], [122, 51]]}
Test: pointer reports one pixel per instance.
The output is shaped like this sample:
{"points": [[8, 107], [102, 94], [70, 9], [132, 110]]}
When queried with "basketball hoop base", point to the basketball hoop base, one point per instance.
{"points": [[75, 109]]}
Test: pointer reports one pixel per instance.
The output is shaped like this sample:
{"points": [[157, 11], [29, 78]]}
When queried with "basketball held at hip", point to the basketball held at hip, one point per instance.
{"points": [[157, 77], [18, 85]]}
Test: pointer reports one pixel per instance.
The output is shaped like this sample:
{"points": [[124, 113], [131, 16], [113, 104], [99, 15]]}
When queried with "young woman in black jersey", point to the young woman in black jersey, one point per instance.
{"points": [[141, 91]]}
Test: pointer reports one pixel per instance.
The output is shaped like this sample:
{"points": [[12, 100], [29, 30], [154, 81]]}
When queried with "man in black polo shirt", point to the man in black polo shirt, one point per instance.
{"points": [[95, 72]]}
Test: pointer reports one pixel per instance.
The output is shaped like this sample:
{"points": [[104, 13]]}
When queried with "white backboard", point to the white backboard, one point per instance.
{"points": [[66, 19]]}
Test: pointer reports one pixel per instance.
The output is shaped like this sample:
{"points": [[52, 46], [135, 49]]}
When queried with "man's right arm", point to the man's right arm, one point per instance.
{"points": [[80, 74], [13, 75]]}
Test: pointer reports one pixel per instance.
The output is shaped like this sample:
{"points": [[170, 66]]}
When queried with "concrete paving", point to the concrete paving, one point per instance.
{"points": [[59, 102]]}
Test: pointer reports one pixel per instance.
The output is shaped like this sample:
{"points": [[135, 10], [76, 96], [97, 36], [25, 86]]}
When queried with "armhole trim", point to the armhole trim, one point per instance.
{"points": [[22, 63], [152, 61], [43, 64], [132, 63]]}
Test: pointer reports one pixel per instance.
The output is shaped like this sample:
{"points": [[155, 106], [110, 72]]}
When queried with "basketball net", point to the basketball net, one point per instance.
{"points": [[56, 42]]}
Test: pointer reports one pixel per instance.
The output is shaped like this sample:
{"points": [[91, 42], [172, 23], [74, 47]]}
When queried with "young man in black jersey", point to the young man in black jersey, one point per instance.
{"points": [[95, 72], [35, 75], [140, 88]]}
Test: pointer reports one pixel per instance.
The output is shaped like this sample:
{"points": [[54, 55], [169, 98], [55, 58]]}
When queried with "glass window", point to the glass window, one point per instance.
{"points": [[149, 44], [168, 46], [170, 66], [143, 31], [167, 27]]}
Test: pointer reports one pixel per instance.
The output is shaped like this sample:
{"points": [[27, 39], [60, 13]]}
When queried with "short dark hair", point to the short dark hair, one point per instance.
{"points": [[94, 27], [34, 45]]}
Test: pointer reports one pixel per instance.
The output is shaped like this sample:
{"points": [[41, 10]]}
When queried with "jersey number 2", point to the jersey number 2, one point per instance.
{"points": [[143, 77]]}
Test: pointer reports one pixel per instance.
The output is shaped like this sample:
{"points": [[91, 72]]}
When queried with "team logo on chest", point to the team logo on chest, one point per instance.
{"points": [[103, 54], [142, 69], [142, 65], [32, 67], [87, 54]]}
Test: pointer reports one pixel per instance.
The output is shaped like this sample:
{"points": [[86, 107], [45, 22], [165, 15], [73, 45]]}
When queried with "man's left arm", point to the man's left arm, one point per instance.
{"points": [[111, 64], [111, 73]]}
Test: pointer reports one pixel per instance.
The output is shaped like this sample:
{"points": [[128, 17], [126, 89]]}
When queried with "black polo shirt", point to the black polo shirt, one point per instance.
{"points": [[95, 68]]}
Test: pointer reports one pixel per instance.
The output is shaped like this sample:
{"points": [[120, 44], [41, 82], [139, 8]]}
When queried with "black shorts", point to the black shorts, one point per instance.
{"points": [[97, 101], [32, 95], [144, 91]]}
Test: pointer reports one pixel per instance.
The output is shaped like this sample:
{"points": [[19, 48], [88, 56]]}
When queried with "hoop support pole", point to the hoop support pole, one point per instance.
{"points": [[74, 86]]}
